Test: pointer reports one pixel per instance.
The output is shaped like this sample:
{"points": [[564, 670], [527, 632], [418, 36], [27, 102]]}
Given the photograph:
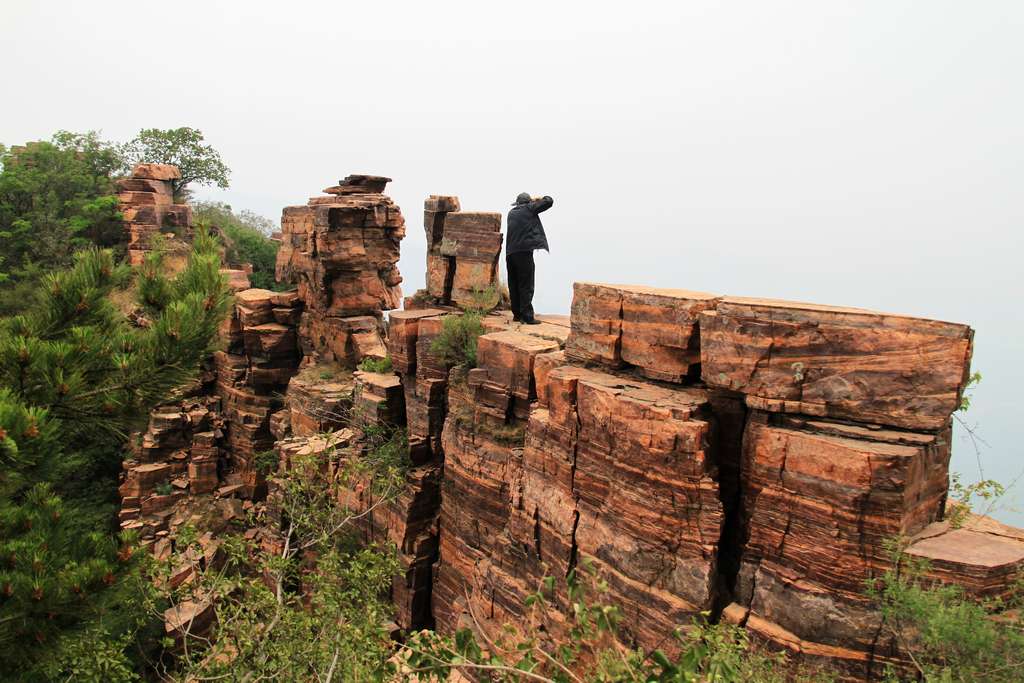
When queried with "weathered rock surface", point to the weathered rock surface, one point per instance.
{"points": [[819, 501], [581, 485], [342, 250], [837, 362], [654, 330], [982, 555], [146, 202], [462, 250], [703, 453]]}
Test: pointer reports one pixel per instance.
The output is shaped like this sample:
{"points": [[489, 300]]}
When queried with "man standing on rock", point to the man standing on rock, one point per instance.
{"points": [[524, 235]]}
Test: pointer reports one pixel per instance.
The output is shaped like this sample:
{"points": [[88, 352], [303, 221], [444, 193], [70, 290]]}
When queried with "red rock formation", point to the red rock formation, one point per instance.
{"points": [[588, 483], [342, 251], [701, 452], [819, 501], [462, 250], [146, 203], [845, 363], [982, 556], [654, 330]]}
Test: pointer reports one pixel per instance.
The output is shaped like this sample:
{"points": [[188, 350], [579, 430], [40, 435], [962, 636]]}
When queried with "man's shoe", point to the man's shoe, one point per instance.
{"points": [[516, 319], [531, 321]]}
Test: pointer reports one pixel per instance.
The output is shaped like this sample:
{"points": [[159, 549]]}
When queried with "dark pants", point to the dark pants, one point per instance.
{"points": [[520, 283]]}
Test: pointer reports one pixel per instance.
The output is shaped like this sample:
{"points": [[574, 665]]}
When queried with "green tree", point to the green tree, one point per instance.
{"points": [[75, 375], [246, 240], [183, 147], [56, 197]]}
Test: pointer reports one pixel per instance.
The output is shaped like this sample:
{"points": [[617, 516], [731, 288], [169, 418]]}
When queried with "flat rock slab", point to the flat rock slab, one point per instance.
{"points": [[838, 362], [983, 556]]}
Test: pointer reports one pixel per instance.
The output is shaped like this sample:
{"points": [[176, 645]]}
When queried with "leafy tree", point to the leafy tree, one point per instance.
{"points": [[74, 376], [246, 240], [183, 147], [56, 197]]}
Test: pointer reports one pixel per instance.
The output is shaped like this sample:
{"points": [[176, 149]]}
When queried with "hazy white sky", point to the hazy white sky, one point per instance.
{"points": [[867, 154]]}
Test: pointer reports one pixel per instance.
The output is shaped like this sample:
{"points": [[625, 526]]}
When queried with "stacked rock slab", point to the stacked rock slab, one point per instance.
{"points": [[261, 356], [548, 465], [146, 203], [342, 252], [654, 330], [700, 449], [820, 498], [847, 445], [178, 455], [462, 250], [844, 363]]}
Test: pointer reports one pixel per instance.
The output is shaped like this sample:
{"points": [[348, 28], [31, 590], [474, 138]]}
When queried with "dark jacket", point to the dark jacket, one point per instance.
{"points": [[525, 232]]}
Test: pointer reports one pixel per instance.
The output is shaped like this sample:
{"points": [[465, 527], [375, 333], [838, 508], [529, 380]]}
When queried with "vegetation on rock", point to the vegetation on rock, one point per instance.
{"points": [[183, 147], [246, 237]]}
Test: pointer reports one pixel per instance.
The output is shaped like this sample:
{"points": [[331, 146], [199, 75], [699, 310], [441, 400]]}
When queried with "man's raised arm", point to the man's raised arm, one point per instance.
{"points": [[542, 204]]}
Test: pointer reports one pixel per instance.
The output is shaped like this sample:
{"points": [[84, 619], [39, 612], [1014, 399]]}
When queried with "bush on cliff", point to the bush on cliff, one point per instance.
{"points": [[586, 649], [947, 635], [246, 240], [455, 345], [75, 376], [316, 608]]}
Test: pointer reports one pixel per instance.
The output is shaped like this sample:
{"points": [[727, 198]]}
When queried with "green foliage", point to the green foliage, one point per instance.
{"points": [[963, 497], [266, 461], [246, 240], [56, 197], [586, 649], [379, 365], [455, 345], [183, 147], [74, 376], [386, 459], [314, 610], [164, 488], [487, 299], [947, 636], [970, 385]]}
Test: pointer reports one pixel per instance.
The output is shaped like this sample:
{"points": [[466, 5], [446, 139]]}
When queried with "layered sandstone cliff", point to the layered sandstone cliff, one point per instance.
{"points": [[706, 454]]}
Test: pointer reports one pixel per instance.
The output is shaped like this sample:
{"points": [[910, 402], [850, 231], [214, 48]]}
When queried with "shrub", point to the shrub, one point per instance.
{"points": [[456, 343], [246, 241], [266, 461], [379, 365], [947, 635]]}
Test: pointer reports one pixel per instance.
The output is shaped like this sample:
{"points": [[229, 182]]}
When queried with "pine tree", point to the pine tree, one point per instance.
{"points": [[75, 375]]}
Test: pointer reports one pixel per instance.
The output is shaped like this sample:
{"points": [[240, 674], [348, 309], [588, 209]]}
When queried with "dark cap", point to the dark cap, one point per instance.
{"points": [[523, 198]]}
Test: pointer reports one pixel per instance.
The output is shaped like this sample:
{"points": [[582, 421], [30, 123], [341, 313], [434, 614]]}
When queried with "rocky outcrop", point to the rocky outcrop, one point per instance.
{"points": [[844, 363], [342, 253], [654, 330], [462, 251], [740, 458], [146, 202]]}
